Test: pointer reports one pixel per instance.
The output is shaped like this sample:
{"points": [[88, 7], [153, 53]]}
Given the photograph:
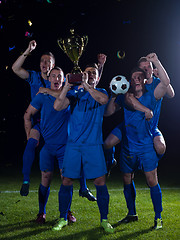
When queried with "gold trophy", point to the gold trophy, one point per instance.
{"points": [[74, 46]]}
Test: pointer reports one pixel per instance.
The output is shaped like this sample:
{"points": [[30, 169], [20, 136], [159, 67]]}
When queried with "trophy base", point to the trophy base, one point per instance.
{"points": [[75, 78]]}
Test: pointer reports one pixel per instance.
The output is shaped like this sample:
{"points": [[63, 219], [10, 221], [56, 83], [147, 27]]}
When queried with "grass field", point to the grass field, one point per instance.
{"points": [[17, 213]]}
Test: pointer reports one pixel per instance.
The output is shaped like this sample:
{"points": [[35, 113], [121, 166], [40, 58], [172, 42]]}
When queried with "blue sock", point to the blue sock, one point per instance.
{"points": [[156, 197], [82, 182], [43, 198], [103, 201], [28, 158], [65, 199], [130, 196]]}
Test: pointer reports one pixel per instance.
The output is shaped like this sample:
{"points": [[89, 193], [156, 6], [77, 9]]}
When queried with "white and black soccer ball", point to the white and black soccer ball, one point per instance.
{"points": [[119, 84]]}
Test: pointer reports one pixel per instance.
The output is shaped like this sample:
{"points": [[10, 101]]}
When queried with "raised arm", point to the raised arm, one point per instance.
{"points": [[31, 111], [164, 87], [170, 91], [101, 61], [17, 66]]}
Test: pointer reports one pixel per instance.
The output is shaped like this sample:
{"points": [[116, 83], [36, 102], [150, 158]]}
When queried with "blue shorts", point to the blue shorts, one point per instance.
{"points": [[142, 160], [117, 131], [90, 158], [49, 154]]}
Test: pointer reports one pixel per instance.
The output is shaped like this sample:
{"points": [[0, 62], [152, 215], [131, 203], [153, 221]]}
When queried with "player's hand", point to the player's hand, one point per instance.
{"points": [[152, 57], [101, 59], [32, 45], [155, 72], [148, 114], [43, 90], [67, 86], [85, 83]]}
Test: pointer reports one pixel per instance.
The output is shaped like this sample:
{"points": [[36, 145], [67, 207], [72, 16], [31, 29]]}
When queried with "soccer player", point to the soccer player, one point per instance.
{"points": [[35, 80], [84, 146], [146, 63], [53, 126], [137, 148]]}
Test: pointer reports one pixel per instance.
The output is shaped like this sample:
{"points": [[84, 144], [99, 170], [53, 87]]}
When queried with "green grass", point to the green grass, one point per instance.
{"points": [[17, 213]]}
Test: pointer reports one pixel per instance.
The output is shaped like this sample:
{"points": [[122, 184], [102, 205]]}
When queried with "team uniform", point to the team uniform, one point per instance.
{"points": [[84, 148], [84, 136], [53, 126], [137, 151]]}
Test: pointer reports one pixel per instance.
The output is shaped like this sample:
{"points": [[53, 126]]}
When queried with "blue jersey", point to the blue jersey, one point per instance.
{"points": [[137, 131], [85, 124], [36, 81], [53, 123]]}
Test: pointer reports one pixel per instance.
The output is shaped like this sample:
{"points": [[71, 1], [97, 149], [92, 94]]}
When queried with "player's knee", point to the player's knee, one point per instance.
{"points": [[107, 144], [159, 145], [100, 181], [127, 178], [46, 178], [67, 181], [160, 148]]}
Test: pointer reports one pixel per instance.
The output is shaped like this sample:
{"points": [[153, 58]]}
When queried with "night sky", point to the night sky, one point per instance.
{"points": [[135, 27]]}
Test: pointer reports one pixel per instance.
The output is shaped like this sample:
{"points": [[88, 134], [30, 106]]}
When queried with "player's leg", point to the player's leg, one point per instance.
{"points": [[60, 156], [28, 158], [71, 169], [46, 166], [103, 203], [159, 145], [128, 165], [43, 193], [159, 142], [156, 196], [65, 199], [109, 147], [94, 166], [130, 197]]}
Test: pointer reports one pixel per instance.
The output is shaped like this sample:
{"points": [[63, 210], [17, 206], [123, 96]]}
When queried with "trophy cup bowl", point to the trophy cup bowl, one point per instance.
{"points": [[73, 46]]}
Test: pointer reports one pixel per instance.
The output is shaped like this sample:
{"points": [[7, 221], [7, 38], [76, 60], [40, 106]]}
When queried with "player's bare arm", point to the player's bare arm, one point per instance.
{"points": [[101, 61], [62, 101], [31, 111], [17, 66], [52, 92], [133, 103], [112, 106]]}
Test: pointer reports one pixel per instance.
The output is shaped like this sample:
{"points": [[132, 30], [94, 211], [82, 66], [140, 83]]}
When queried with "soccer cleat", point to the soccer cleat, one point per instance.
{"points": [[41, 217], [60, 224], [129, 218], [87, 194], [70, 217], [24, 189], [107, 226], [158, 224], [111, 167]]}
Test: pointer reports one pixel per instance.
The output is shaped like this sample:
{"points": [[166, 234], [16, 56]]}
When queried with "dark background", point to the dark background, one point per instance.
{"points": [[133, 26]]}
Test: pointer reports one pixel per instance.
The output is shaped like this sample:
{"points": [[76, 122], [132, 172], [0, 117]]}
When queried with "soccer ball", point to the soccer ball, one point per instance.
{"points": [[119, 84]]}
